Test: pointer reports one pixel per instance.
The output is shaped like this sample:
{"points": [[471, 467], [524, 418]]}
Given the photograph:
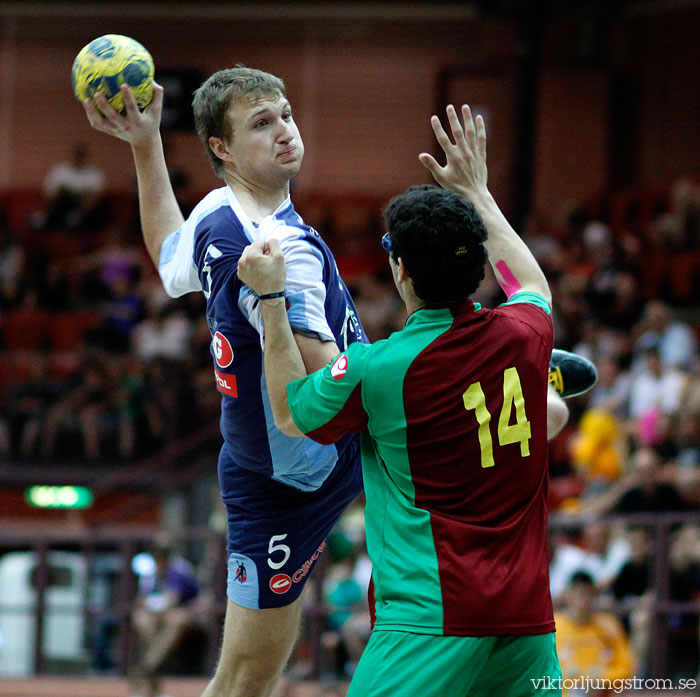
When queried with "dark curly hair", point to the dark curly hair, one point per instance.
{"points": [[440, 237]]}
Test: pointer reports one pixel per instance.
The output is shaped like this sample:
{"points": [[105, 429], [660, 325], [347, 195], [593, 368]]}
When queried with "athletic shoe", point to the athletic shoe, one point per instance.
{"points": [[571, 374]]}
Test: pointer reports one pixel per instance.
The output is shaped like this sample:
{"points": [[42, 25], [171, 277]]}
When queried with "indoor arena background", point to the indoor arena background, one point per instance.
{"points": [[593, 117]]}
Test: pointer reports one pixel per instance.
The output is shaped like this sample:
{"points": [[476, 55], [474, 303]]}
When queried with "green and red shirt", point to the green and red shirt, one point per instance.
{"points": [[452, 412]]}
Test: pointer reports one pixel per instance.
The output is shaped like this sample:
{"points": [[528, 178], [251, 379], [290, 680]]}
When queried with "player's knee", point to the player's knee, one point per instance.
{"points": [[243, 676], [249, 668]]}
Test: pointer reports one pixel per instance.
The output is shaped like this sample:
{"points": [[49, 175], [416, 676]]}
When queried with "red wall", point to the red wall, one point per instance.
{"points": [[362, 102], [363, 93], [571, 136]]}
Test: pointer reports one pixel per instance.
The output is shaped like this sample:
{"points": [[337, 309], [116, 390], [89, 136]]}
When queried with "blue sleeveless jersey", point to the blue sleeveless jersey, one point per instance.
{"points": [[203, 255]]}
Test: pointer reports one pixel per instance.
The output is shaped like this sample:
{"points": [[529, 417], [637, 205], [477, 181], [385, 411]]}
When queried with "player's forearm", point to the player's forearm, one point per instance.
{"points": [[158, 208], [283, 363], [515, 266]]}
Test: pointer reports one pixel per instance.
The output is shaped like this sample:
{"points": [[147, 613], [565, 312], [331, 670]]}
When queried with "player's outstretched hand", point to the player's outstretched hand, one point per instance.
{"points": [[465, 169], [139, 128], [261, 267]]}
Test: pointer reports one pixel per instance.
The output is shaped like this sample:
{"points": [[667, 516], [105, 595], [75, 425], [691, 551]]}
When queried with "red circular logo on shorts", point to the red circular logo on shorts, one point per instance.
{"points": [[222, 350], [280, 583]]}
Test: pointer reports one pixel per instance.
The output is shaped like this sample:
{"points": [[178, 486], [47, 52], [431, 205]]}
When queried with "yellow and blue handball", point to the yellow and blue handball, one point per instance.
{"points": [[108, 62]]}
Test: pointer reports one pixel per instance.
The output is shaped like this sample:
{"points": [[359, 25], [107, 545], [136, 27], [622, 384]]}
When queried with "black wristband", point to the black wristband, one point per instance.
{"points": [[269, 296]]}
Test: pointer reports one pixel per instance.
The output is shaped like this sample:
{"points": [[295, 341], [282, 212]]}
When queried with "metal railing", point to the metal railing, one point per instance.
{"points": [[662, 605], [126, 543]]}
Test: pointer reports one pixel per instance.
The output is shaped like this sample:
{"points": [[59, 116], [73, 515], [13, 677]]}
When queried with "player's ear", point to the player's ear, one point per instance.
{"points": [[220, 148], [401, 273]]}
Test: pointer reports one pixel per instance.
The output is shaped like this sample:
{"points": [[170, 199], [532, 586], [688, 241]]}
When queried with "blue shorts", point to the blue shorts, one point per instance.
{"points": [[276, 532]]}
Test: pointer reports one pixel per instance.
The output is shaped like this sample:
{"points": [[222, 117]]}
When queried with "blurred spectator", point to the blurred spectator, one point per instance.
{"points": [[590, 644], [164, 333], [675, 341], [161, 401], [116, 258], [73, 193], [346, 603], [102, 398], [685, 563], [650, 487], [614, 296], [570, 306], [598, 449], [598, 242], [679, 228], [687, 437], [611, 392], [649, 492], [378, 305], [177, 175], [29, 402], [634, 580], [125, 403], [345, 592], [12, 268], [655, 387], [164, 612], [691, 398], [596, 552], [123, 310], [684, 557], [632, 590], [80, 408]]}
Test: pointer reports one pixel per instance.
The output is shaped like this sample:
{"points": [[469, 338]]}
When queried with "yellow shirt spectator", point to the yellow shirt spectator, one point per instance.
{"points": [[591, 644]]}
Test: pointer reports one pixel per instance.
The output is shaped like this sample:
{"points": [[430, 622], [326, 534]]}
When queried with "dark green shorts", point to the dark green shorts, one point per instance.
{"points": [[402, 664]]}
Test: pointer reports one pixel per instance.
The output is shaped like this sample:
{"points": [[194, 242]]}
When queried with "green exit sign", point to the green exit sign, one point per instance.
{"points": [[59, 496]]}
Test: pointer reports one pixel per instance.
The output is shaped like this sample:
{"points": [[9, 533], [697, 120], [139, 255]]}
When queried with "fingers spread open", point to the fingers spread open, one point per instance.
{"points": [[440, 134], [456, 126], [107, 110], [129, 101], [94, 115], [468, 125], [481, 137], [430, 163], [157, 101]]}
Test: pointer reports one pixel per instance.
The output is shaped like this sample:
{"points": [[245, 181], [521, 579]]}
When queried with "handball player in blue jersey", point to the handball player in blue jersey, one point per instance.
{"points": [[283, 495]]}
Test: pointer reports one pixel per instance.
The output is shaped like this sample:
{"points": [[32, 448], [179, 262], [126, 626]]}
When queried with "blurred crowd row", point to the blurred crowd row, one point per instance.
{"points": [[97, 362], [91, 344]]}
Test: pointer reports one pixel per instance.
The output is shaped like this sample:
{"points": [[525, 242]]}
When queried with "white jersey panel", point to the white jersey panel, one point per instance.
{"points": [[176, 266], [304, 289]]}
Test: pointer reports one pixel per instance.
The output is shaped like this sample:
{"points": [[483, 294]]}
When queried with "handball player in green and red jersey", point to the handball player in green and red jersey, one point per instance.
{"points": [[452, 412]]}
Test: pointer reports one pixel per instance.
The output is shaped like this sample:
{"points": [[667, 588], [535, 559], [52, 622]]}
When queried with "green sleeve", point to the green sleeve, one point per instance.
{"points": [[530, 297], [328, 403]]}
